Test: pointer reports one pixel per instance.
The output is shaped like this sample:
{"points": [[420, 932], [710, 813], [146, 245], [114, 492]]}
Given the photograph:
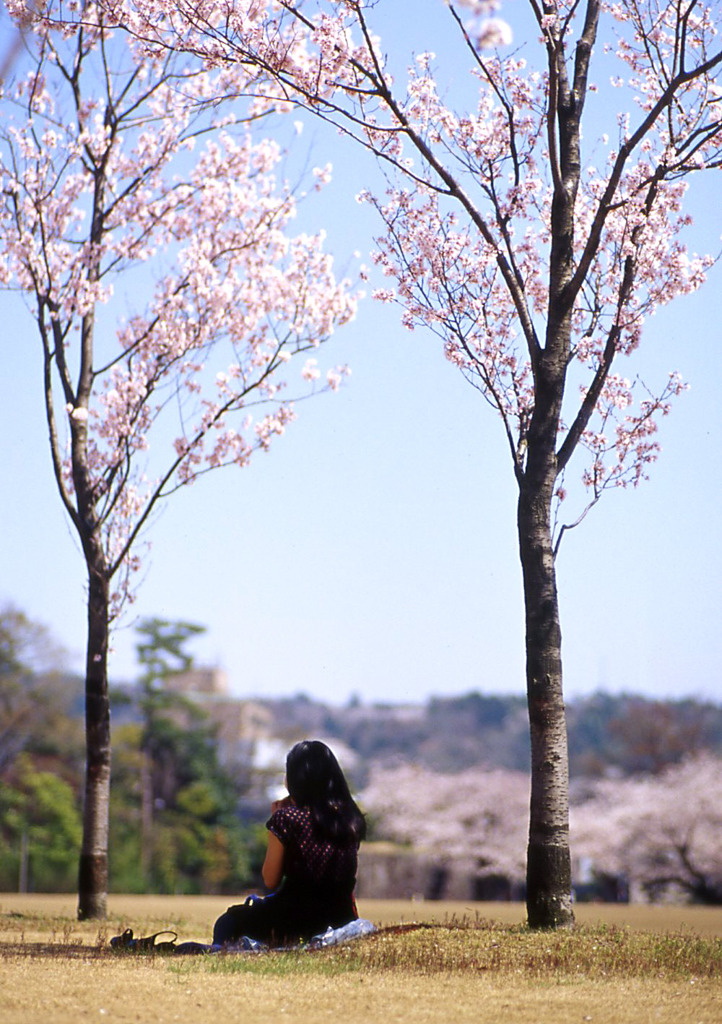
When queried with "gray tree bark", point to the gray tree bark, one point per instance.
{"points": [[93, 865]]}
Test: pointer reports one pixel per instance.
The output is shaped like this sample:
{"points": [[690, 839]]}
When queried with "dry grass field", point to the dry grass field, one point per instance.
{"points": [[622, 965]]}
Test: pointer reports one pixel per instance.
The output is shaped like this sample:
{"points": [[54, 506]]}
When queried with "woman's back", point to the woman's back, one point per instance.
{"points": [[310, 858]]}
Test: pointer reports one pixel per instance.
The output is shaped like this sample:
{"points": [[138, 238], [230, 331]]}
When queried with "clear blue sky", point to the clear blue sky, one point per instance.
{"points": [[373, 551]]}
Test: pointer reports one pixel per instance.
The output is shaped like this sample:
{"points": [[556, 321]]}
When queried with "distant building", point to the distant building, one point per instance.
{"points": [[198, 681], [241, 726]]}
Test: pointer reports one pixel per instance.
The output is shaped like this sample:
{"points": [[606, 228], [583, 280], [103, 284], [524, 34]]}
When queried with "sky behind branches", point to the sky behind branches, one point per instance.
{"points": [[373, 551]]}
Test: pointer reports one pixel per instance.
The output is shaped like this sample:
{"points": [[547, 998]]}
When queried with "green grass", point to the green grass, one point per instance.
{"points": [[465, 947]]}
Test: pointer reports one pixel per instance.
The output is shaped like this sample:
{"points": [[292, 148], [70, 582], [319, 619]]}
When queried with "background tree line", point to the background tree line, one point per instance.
{"points": [[177, 818], [173, 821], [622, 734]]}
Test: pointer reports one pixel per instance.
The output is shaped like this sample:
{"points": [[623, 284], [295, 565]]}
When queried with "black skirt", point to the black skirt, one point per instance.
{"points": [[292, 913]]}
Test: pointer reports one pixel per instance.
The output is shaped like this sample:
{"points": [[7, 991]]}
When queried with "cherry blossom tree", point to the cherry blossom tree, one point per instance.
{"points": [[660, 832], [177, 315], [537, 270], [476, 817]]}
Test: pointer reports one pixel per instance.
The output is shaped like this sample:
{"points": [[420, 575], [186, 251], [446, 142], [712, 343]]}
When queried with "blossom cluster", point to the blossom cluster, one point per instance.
{"points": [[658, 832], [477, 814], [661, 832], [176, 306], [467, 248]]}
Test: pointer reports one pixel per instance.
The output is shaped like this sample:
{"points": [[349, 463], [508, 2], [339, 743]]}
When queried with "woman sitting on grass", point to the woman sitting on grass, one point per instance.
{"points": [[312, 856]]}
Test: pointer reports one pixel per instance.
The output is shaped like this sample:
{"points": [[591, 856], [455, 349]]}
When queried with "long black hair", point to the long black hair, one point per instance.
{"points": [[315, 780]]}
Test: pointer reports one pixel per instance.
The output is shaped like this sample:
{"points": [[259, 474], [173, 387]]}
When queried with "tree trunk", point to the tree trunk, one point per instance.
{"points": [[549, 902], [93, 869]]}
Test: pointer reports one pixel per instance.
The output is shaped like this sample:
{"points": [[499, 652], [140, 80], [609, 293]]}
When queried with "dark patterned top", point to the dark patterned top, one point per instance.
{"points": [[310, 859]]}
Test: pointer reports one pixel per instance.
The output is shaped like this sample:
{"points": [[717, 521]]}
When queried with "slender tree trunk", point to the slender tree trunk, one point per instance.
{"points": [[549, 903], [93, 869]]}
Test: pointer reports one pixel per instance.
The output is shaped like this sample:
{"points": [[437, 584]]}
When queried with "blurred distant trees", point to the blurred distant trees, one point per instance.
{"points": [[41, 757], [174, 826], [40, 830], [622, 733], [173, 821], [39, 700], [195, 842], [630, 734], [659, 832], [476, 817], [646, 837]]}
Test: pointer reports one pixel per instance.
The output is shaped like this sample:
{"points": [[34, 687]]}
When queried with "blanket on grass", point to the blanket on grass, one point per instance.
{"points": [[331, 937]]}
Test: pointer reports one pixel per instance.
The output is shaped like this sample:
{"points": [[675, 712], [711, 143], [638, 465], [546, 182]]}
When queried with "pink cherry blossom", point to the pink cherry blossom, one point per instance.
{"points": [[661, 833], [231, 296], [476, 818]]}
